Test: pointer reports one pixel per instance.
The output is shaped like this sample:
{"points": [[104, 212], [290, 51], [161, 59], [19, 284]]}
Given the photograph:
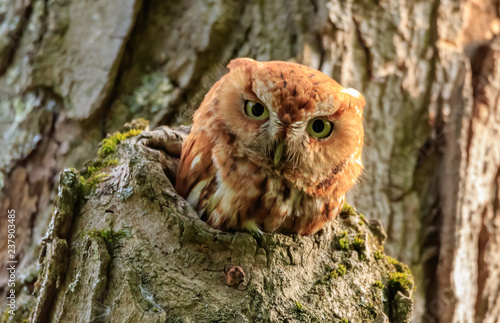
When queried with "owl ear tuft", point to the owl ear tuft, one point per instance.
{"points": [[356, 98], [241, 62]]}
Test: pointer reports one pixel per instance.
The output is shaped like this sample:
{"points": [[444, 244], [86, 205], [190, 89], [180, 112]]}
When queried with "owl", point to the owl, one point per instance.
{"points": [[274, 147]]}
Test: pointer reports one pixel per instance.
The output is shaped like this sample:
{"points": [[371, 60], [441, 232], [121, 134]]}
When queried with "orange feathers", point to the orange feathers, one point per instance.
{"points": [[274, 147]]}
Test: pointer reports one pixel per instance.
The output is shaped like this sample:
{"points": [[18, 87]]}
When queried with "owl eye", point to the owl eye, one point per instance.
{"points": [[256, 110], [319, 128]]}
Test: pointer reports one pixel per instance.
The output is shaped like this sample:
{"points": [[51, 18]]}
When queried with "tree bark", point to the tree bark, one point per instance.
{"points": [[72, 71]]}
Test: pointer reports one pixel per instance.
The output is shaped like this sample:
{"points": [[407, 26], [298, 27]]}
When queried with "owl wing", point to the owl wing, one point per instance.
{"points": [[196, 175]]}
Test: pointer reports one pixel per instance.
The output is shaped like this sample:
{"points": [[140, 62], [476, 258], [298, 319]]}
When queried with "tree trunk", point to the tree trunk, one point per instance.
{"points": [[122, 246], [72, 71]]}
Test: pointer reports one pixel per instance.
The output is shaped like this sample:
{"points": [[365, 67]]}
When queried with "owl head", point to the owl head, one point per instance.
{"points": [[293, 121]]}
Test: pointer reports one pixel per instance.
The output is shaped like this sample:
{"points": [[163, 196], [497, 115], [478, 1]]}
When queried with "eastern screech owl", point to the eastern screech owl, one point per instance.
{"points": [[274, 146]]}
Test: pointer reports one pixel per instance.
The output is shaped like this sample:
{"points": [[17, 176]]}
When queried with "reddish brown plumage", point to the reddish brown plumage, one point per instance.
{"points": [[227, 171]]}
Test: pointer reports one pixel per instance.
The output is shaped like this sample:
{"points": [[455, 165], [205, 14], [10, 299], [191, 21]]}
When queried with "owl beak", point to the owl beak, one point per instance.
{"points": [[278, 152]]}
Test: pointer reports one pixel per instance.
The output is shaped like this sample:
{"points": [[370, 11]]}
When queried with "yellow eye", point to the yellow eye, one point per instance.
{"points": [[319, 128], [256, 110]]}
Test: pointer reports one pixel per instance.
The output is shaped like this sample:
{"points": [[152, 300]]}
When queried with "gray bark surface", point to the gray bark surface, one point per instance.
{"points": [[72, 71]]}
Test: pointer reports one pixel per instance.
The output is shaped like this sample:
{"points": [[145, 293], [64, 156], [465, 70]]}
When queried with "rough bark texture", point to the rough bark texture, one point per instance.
{"points": [[131, 250], [72, 71]]}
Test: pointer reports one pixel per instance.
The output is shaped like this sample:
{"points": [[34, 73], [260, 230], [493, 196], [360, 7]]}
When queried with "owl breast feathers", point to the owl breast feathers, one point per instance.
{"points": [[274, 146]]}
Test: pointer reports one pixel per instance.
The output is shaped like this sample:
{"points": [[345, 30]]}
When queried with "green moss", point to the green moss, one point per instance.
{"points": [[332, 274], [343, 244], [108, 145], [110, 237], [91, 175], [347, 211], [402, 282], [298, 307], [378, 284], [109, 162], [379, 254], [362, 216], [400, 267], [359, 245], [341, 270], [360, 222], [344, 321], [88, 185], [98, 165]]}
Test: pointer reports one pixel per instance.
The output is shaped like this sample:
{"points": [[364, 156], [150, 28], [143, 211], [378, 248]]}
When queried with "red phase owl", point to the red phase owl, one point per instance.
{"points": [[274, 146]]}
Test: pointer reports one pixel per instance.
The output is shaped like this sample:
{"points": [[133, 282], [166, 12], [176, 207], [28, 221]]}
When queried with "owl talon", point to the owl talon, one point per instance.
{"points": [[257, 235], [254, 229], [168, 139]]}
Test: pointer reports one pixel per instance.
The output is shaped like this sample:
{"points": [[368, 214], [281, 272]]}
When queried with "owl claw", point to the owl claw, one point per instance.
{"points": [[254, 229], [165, 138], [257, 234]]}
